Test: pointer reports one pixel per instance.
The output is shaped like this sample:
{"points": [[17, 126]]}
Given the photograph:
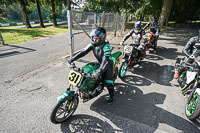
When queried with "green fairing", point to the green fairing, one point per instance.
{"points": [[91, 67], [115, 56], [65, 95], [88, 82], [183, 74]]}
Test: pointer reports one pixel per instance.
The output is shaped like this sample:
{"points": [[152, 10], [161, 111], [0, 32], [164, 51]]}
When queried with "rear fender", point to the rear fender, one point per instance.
{"points": [[65, 95]]}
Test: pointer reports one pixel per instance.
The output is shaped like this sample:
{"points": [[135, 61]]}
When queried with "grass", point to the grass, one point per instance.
{"points": [[15, 36]]}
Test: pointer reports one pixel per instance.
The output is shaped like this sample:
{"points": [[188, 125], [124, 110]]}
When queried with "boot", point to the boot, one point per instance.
{"points": [[111, 94]]}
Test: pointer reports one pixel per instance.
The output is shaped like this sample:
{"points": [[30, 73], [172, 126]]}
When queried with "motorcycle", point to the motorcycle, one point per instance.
{"points": [[147, 40], [81, 85], [189, 85], [132, 55]]}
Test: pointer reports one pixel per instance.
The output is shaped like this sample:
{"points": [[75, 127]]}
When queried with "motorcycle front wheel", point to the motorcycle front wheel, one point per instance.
{"points": [[123, 69], [192, 110], [64, 110]]}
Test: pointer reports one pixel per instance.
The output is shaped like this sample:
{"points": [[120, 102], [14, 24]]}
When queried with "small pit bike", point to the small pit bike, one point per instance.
{"points": [[148, 40], [131, 57], [189, 84], [81, 85]]}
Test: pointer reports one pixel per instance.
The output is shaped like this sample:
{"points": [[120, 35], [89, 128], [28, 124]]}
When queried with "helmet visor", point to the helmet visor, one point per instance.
{"points": [[95, 33], [137, 25]]}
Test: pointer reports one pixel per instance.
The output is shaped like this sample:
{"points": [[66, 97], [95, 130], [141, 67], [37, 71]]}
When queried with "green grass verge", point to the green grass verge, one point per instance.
{"points": [[15, 36]]}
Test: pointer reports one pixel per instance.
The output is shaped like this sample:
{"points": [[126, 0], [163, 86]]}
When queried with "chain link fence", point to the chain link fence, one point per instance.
{"points": [[88, 20]]}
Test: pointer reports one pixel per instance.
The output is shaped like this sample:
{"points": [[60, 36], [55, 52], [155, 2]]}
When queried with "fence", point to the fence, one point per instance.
{"points": [[88, 20]]}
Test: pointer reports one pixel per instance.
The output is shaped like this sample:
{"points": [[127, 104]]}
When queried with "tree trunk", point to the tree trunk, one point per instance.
{"points": [[116, 19], [40, 14], [181, 17], [165, 13], [24, 13], [54, 13]]}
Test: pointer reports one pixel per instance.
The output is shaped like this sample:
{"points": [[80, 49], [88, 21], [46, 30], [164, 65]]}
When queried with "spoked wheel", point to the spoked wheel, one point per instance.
{"points": [[192, 110], [64, 109], [123, 69]]}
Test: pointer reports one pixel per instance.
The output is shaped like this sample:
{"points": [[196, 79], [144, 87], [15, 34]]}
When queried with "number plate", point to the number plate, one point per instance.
{"points": [[128, 49], [74, 77], [190, 76]]}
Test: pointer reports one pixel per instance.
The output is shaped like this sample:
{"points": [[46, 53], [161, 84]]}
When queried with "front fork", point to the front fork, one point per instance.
{"points": [[124, 59], [69, 93], [193, 91]]}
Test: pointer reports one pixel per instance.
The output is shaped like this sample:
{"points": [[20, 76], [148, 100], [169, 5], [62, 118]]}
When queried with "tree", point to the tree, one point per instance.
{"points": [[40, 14], [53, 12], [24, 13], [183, 10], [165, 13]]}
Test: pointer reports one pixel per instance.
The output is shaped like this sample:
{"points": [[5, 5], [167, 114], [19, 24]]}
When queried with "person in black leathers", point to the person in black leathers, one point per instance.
{"points": [[102, 52], [154, 27], [191, 48]]}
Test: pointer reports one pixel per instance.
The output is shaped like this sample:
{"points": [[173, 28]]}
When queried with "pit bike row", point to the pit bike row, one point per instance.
{"points": [[83, 86]]}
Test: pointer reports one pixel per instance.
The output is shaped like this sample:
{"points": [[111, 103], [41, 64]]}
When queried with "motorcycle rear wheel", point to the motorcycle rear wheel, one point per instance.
{"points": [[192, 110], [123, 69], [64, 110]]}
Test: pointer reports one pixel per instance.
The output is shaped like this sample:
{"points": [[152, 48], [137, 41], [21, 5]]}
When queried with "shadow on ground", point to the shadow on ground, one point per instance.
{"points": [[132, 111], [12, 50], [86, 124], [179, 36], [151, 73], [131, 103]]}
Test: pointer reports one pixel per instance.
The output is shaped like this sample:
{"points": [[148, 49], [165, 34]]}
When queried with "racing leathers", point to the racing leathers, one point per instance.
{"points": [[155, 28], [191, 49], [103, 55], [136, 36]]}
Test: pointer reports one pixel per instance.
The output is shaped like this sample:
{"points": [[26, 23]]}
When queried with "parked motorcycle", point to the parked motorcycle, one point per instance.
{"points": [[81, 85], [131, 56], [189, 83]]}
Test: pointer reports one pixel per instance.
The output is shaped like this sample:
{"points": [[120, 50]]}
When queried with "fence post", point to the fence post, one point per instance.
{"points": [[1, 39], [103, 17], [95, 19], [116, 18], [69, 21], [124, 23]]}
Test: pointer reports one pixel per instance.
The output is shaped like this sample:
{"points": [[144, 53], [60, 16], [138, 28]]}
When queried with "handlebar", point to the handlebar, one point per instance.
{"points": [[80, 70]]}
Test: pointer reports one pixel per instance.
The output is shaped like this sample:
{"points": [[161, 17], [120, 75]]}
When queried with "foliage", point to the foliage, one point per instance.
{"points": [[15, 36]]}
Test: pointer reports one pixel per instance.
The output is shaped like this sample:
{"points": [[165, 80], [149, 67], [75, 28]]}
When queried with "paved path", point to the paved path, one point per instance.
{"points": [[147, 100]]}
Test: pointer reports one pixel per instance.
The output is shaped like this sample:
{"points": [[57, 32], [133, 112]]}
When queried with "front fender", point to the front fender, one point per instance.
{"points": [[65, 95]]}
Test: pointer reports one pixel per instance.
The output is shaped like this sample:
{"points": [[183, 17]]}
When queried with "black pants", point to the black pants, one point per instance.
{"points": [[108, 78]]}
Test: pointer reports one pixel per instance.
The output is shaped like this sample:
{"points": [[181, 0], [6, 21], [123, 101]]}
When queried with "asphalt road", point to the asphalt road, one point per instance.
{"points": [[147, 100]]}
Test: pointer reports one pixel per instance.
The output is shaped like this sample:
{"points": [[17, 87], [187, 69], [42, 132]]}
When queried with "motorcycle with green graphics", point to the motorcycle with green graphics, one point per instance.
{"points": [[189, 83], [132, 55], [81, 85]]}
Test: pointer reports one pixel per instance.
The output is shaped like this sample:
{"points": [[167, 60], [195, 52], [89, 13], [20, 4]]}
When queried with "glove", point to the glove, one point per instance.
{"points": [[95, 75], [156, 34], [122, 43], [140, 47], [70, 61], [191, 57]]}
